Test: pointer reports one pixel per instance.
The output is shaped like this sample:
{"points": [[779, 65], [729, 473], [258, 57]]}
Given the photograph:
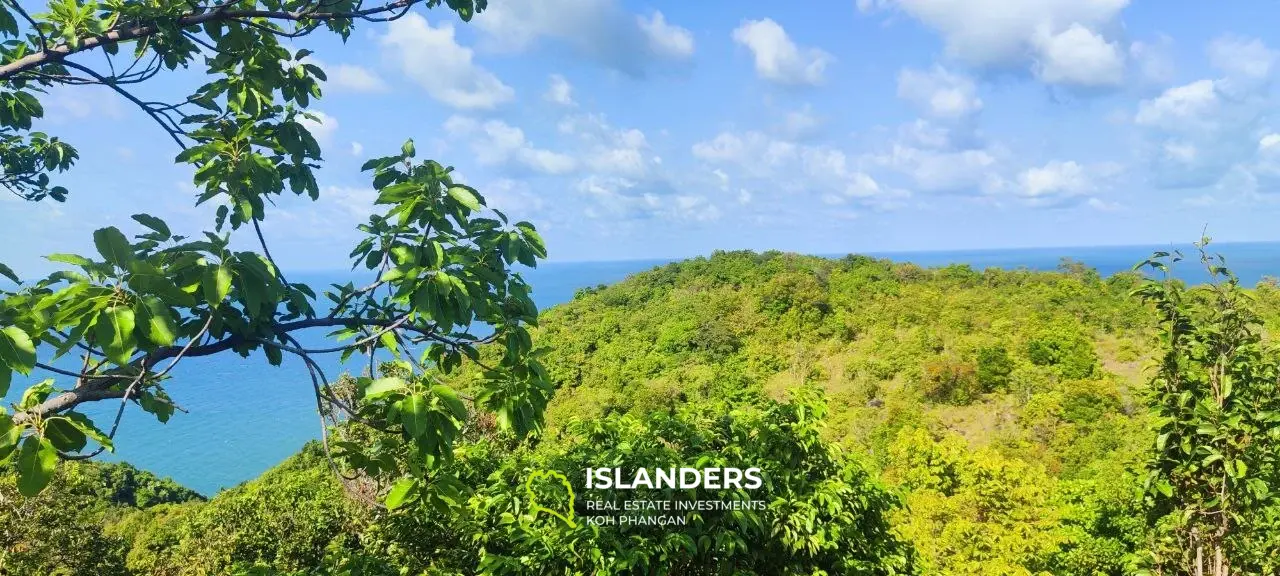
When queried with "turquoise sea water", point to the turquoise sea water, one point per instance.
{"points": [[245, 416]]}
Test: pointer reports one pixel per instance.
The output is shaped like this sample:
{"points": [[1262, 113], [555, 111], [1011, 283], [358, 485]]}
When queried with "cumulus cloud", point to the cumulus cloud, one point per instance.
{"points": [[939, 93], [349, 77], [614, 169], [610, 150], [1079, 56], [1197, 133], [496, 143], [1061, 41], [753, 152], [665, 39], [331, 222], [944, 159], [432, 57], [515, 197], [599, 30], [620, 198], [791, 168], [943, 170], [1153, 60], [777, 58], [1060, 183], [801, 124], [322, 127], [559, 91]]}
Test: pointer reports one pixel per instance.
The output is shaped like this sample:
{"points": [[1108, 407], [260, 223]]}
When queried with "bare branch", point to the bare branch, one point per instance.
{"points": [[100, 386], [154, 115]]}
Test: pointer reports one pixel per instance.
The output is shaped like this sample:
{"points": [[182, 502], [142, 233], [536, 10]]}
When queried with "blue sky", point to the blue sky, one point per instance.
{"points": [[668, 129]]}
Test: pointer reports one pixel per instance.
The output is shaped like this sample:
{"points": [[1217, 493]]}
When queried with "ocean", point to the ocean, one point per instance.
{"points": [[246, 416]]}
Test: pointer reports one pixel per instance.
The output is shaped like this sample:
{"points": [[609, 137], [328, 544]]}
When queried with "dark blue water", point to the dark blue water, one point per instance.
{"points": [[245, 416]]}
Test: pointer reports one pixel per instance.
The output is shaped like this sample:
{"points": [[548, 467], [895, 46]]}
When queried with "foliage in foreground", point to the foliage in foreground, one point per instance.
{"points": [[115, 325], [1212, 476], [1036, 468], [61, 531], [825, 513]]}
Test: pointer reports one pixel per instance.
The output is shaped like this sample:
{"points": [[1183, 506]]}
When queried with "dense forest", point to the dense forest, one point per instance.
{"points": [[909, 420]]}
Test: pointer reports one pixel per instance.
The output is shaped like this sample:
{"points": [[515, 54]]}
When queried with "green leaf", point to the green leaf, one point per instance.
{"points": [[384, 386], [451, 399], [85, 425], [64, 435], [72, 259], [155, 321], [216, 283], [7, 272], [16, 350], [414, 411], [114, 333], [6, 379], [113, 246], [407, 148], [36, 462], [403, 492], [153, 223], [9, 436], [35, 394], [388, 340], [465, 197]]}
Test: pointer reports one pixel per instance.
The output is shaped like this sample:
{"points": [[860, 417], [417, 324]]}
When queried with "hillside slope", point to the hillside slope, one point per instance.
{"points": [[1001, 405]]}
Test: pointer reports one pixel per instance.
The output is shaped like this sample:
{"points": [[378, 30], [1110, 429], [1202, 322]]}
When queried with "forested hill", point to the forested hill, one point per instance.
{"points": [[890, 342], [988, 422]]}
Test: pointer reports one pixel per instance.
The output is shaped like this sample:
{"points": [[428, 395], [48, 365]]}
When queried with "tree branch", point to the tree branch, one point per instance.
{"points": [[134, 31], [96, 387]]}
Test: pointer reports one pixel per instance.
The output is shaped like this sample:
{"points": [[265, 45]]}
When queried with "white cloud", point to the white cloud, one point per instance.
{"points": [[777, 58], [322, 127], [497, 143], [1196, 134], [1062, 41], [514, 197], [348, 77], [1242, 59], [620, 198], [944, 170], [791, 169], [664, 39], [64, 102], [801, 124], [599, 30], [1181, 107], [942, 159], [357, 148], [1103, 205], [330, 222], [431, 57], [609, 150], [1079, 56], [1154, 60], [1056, 177], [755, 153], [354, 78], [940, 93], [560, 91]]}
